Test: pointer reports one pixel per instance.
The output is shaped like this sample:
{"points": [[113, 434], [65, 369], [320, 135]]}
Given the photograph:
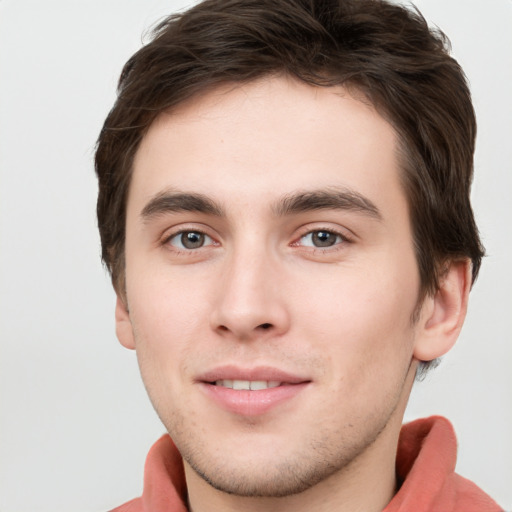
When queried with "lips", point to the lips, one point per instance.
{"points": [[258, 374], [250, 392]]}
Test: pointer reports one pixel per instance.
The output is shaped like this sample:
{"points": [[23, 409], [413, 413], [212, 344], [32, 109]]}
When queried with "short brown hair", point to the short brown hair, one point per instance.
{"points": [[383, 50]]}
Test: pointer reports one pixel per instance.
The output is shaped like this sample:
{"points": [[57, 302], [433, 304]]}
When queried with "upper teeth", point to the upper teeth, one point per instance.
{"points": [[247, 384]]}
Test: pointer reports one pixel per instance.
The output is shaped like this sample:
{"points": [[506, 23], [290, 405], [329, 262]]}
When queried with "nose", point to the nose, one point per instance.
{"points": [[251, 302]]}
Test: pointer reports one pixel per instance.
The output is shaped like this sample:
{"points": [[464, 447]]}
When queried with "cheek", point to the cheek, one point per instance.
{"points": [[164, 301], [364, 318], [166, 316], [369, 352]]}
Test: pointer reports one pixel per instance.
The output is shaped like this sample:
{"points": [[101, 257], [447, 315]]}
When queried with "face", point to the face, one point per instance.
{"points": [[270, 283]]}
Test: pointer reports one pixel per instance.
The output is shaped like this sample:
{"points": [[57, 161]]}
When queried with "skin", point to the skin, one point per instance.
{"points": [[258, 292]]}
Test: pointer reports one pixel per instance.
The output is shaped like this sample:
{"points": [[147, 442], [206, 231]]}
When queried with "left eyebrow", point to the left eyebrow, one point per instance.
{"points": [[332, 198]]}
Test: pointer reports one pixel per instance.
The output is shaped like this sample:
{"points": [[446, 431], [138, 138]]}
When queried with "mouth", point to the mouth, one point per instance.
{"points": [[252, 385], [251, 392]]}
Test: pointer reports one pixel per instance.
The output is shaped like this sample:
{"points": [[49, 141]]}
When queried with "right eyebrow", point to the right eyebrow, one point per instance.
{"points": [[173, 202]]}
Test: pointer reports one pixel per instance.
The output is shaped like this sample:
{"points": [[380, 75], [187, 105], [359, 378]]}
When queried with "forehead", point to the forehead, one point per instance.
{"points": [[264, 139]]}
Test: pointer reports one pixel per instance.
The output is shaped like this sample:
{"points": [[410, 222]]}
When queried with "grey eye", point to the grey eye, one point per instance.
{"points": [[190, 240], [321, 239]]}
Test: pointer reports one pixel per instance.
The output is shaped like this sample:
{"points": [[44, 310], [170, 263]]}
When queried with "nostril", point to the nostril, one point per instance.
{"points": [[265, 326]]}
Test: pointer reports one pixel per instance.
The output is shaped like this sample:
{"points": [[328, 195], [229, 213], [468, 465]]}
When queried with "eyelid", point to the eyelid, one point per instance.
{"points": [[346, 235], [208, 240], [175, 231]]}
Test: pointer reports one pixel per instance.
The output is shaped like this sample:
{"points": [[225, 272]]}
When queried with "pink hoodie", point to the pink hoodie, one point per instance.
{"points": [[425, 464]]}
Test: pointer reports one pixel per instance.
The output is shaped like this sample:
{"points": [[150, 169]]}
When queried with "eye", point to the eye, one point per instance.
{"points": [[188, 240], [321, 239]]}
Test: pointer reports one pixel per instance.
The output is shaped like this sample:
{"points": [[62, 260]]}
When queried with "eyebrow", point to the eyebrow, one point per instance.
{"points": [[174, 202], [331, 198]]}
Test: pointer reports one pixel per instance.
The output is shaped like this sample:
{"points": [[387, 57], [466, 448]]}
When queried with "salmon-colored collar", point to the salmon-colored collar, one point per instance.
{"points": [[425, 466]]}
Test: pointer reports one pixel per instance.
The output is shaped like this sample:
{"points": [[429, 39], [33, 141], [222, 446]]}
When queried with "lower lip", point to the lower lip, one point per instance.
{"points": [[252, 403]]}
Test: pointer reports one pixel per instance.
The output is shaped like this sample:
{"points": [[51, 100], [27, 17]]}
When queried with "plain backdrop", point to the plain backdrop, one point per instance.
{"points": [[75, 423]]}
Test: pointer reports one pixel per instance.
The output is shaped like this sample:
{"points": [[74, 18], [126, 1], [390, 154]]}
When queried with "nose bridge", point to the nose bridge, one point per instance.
{"points": [[250, 299]]}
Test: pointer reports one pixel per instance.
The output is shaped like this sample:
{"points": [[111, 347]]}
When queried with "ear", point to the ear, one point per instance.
{"points": [[443, 314], [124, 331]]}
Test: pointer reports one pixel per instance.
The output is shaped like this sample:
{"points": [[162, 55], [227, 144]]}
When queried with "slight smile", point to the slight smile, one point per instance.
{"points": [[251, 392]]}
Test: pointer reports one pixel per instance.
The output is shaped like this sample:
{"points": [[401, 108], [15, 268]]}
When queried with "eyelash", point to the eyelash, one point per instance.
{"points": [[168, 239], [343, 239]]}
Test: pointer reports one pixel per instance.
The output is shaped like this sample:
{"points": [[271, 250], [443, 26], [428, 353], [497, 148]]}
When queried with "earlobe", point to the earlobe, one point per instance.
{"points": [[443, 314], [124, 331]]}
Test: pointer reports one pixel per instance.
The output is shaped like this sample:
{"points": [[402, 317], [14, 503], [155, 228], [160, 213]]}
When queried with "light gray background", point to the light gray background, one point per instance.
{"points": [[75, 422]]}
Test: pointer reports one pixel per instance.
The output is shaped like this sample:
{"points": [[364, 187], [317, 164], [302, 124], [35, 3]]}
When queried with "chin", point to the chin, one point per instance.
{"points": [[286, 479], [264, 470]]}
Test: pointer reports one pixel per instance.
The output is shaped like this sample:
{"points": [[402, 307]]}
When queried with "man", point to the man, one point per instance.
{"points": [[284, 209]]}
